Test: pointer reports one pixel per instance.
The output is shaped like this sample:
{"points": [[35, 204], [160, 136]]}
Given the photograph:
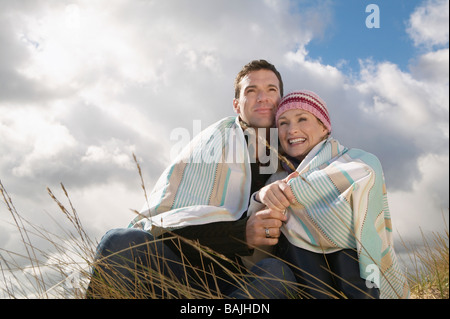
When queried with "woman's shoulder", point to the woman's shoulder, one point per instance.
{"points": [[365, 157]]}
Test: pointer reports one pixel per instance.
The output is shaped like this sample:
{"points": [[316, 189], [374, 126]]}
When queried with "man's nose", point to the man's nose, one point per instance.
{"points": [[262, 96]]}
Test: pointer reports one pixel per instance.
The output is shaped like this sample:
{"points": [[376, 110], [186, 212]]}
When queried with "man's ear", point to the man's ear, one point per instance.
{"points": [[236, 106]]}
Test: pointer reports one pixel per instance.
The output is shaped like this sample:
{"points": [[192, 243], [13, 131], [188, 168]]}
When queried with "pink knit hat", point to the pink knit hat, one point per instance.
{"points": [[308, 101]]}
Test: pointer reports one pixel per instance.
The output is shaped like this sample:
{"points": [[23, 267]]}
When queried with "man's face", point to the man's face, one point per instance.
{"points": [[259, 98]]}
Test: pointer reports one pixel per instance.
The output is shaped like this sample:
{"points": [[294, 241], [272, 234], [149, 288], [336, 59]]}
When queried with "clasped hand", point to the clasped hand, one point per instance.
{"points": [[263, 227]]}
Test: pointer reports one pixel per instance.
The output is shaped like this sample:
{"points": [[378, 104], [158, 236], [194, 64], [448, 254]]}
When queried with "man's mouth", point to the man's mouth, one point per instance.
{"points": [[264, 110]]}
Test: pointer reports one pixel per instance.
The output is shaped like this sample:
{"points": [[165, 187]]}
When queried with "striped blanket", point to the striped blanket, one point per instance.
{"points": [[342, 203], [341, 200], [209, 181]]}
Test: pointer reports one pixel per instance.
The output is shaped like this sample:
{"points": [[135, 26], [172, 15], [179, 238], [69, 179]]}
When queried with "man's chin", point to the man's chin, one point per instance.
{"points": [[262, 123]]}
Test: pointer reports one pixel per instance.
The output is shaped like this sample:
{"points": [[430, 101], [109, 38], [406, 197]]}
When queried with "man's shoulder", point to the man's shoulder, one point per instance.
{"points": [[225, 123]]}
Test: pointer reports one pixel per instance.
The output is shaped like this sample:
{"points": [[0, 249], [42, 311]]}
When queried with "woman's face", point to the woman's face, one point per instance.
{"points": [[299, 131]]}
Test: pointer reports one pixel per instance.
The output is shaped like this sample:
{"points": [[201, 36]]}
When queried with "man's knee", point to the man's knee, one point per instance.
{"points": [[275, 269], [123, 238], [124, 243]]}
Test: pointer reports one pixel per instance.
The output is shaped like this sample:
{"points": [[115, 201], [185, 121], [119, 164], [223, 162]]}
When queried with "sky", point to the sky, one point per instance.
{"points": [[86, 84], [345, 41]]}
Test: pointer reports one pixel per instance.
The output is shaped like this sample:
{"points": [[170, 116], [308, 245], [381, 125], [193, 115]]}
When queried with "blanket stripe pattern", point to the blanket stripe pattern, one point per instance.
{"points": [[208, 182], [342, 203]]}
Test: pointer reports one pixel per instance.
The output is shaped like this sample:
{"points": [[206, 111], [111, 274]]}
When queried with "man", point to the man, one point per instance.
{"points": [[203, 196]]}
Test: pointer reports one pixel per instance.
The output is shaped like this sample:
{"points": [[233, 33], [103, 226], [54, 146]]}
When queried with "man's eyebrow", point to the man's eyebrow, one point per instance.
{"points": [[250, 87], [255, 86]]}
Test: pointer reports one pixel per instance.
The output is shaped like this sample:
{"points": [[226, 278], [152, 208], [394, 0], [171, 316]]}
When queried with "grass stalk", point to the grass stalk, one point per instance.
{"points": [[73, 253]]}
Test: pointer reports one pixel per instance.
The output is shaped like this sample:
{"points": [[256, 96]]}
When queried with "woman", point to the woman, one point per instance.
{"points": [[338, 235]]}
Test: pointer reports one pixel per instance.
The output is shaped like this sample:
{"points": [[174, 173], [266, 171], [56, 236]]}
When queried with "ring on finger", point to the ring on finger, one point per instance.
{"points": [[267, 233]]}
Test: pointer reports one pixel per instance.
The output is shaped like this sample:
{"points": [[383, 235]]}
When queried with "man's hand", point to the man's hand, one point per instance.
{"points": [[278, 195], [263, 228]]}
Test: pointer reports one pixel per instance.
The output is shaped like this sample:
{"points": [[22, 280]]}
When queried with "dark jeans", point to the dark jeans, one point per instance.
{"points": [[126, 258], [324, 276]]}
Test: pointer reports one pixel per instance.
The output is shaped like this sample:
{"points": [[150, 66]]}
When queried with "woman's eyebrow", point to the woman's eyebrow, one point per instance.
{"points": [[295, 115]]}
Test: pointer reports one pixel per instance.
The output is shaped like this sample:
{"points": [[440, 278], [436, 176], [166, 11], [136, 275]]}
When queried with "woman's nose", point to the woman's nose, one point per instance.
{"points": [[292, 129]]}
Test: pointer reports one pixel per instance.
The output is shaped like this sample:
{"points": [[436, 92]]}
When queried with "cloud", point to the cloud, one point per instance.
{"points": [[97, 87], [425, 206], [43, 141], [432, 67], [96, 77], [427, 23], [84, 85]]}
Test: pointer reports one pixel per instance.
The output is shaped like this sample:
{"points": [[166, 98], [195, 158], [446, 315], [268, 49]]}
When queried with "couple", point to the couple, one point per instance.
{"points": [[319, 227]]}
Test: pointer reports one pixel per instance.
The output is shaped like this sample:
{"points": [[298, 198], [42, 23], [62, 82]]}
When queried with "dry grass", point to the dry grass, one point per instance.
{"points": [[45, 273], [429, 279], [65, 270]]}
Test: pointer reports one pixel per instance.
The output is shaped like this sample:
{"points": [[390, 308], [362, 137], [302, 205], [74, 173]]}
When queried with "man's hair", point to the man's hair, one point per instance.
{"points": [[255, 65]]}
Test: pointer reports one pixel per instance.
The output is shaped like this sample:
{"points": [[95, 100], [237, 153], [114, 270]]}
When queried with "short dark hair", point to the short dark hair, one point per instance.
{"points": [[255, 65]]}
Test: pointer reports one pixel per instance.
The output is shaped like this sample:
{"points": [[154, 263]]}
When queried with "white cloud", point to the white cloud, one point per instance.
{"points": [[425, 206], [402, 102], [85, 85], [119, 87], [110, 154], [41, 140], [428, 25], [432, 67]]}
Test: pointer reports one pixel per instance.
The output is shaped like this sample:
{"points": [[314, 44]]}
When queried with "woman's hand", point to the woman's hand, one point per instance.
{"points": [[278, 195]]}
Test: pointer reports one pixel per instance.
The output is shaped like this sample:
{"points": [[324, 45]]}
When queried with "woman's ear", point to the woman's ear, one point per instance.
{"points": [[325, 131]]}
